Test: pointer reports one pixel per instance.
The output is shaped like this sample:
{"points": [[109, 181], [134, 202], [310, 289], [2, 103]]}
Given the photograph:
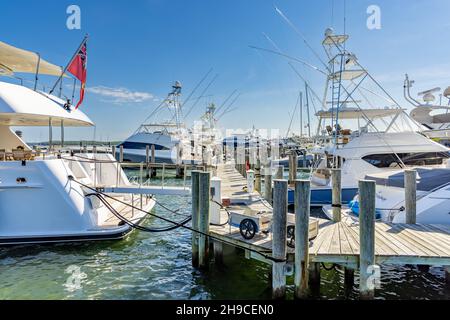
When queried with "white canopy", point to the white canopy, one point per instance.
{"points": [[388, 143], [20, 106], [357, 113], [14, 60]]}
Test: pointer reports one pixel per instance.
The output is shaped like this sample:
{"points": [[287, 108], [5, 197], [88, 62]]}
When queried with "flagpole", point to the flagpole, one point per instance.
{"points": [[70, 61]]}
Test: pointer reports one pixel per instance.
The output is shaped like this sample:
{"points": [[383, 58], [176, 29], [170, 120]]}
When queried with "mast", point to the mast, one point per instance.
{"points": [[307, 110], [301, 114]]}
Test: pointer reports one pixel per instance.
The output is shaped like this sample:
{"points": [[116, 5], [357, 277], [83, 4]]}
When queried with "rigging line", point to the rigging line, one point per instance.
{"points": [[272, 42], [312, 99], [365, 98], [178, 225], [375, 94], [137, 225], [280, 53], [290, 58], [202, 94], [197, 86], [226, 100], [229, 111], [309, 86], [292, 117], [300, 34], [152, 114], [229, 106]]}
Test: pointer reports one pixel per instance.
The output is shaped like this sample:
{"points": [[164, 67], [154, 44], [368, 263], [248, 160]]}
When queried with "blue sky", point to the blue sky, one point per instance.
{"points": [[138, 48]]}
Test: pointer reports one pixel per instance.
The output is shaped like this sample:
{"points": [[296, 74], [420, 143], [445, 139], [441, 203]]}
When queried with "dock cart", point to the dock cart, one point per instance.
{"points": [[251, 222]]}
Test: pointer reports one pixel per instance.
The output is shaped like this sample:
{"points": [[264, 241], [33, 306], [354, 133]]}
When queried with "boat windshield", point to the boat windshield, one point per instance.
{"points": [[391, 160]]}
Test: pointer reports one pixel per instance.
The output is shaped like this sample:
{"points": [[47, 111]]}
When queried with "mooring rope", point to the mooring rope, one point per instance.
{"points": [[177, 225]]}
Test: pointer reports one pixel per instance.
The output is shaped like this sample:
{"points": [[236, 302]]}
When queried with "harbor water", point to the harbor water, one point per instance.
{"points": [[158, 266]]}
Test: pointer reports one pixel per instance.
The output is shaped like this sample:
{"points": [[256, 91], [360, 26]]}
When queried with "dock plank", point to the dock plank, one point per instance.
{"points": [[338, 242]]}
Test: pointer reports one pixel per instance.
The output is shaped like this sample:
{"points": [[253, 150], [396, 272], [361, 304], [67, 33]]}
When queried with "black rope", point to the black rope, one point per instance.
{"points": [[176, 224], [134, 225]]}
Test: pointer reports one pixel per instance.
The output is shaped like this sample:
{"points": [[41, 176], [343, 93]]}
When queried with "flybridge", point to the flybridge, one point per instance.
{"points": [[21, 106]]}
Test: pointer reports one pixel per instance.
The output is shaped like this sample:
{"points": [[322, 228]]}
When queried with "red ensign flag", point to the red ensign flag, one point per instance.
{"points": [[78, 67]]}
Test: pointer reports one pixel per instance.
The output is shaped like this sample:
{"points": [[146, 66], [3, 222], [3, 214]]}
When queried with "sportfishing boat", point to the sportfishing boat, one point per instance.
{"points": [[383, 140], [169, 138], [48, 197]]}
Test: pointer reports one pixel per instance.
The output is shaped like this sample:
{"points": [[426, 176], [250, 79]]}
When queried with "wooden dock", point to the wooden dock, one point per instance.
{"points": [[337, 242]]}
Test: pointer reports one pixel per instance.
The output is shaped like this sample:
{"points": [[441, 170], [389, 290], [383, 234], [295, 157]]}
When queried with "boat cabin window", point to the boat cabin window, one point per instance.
{"points": [[391, 160], [142, 146]]}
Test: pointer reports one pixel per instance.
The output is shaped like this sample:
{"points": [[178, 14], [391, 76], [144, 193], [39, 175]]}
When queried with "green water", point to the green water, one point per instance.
{"points": [[158, 266]]}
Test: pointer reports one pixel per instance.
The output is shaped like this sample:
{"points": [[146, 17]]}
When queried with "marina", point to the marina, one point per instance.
{"points": [[179, 169]]}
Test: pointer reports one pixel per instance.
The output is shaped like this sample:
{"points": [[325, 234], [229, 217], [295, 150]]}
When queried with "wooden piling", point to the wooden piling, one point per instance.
{"points": [[113, 151], [121, 154], [218, 253], [293, 164], [302, 208], [349, 279], [258, 176], [336, 194], [314, 278], [447, 276], [366, 237], [195, 187], [268, 183], [279, 172], [279, 225], [410, 196], [153, 160], [204, 191]]}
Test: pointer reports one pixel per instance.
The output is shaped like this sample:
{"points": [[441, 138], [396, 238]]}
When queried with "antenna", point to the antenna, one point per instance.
{"points": [[345, 19], [428, 95], [332, 13]]}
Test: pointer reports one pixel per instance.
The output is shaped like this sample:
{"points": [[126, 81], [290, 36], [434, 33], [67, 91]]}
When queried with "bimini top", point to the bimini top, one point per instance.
{"points": [[21, 106], [357, 113], [14, 60]]}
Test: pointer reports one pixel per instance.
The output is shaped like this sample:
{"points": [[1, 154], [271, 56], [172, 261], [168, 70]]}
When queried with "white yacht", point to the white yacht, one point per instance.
{"points": [[169, 138], [53, 197], [382, 140], [435, 117]]}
